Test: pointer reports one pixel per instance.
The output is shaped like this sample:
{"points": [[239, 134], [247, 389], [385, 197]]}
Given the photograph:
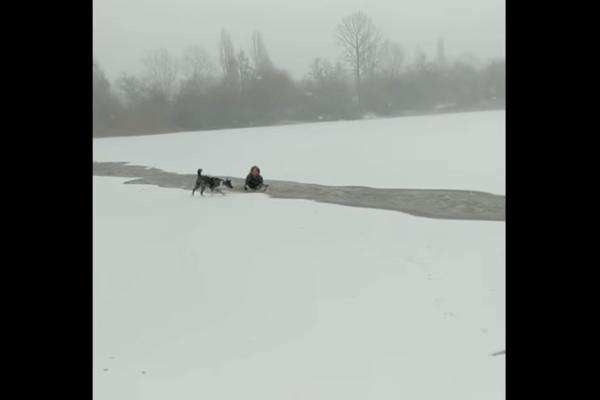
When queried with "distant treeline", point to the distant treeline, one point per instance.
{"points": [[372, 78]]}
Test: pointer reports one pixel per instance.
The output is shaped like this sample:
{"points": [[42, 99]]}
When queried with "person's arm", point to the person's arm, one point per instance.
{"points": [[259, 180], [247, 180]]}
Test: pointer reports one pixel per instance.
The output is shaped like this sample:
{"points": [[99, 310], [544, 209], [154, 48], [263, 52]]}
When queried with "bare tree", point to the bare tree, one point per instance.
{"points": [[245, 69], [131, 89], [391, 59], [100, 82], [468, 60], [420, 59], [161, 72], [441, 54], [360, 40], [260, 56], [104, 104], [319, 70], [229, 63], [196, 63]]}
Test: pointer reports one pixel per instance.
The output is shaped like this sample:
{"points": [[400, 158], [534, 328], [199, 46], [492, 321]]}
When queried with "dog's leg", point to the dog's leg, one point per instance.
{"points": [[219, 191], [195, 188], [202, 190]]}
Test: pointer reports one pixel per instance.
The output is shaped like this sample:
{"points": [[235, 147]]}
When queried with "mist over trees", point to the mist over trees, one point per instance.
{"points": [[373, 76]]}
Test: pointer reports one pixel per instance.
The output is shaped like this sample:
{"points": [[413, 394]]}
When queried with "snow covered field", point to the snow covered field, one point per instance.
{"points": [[446, 151], [249, 297]]}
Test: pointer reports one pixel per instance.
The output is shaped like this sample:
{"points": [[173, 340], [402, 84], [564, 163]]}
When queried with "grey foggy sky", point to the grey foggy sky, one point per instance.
{"points": [[294, 31]]}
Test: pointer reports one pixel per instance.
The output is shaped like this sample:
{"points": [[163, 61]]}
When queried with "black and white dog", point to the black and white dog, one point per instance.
{"points": [[213, 183]]}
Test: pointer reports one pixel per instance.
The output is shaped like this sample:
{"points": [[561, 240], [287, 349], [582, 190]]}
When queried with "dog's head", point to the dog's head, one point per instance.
{"points": [[227, 182]]}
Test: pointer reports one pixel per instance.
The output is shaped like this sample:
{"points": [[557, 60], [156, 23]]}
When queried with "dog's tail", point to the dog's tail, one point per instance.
{"points": [[199, 171]]}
